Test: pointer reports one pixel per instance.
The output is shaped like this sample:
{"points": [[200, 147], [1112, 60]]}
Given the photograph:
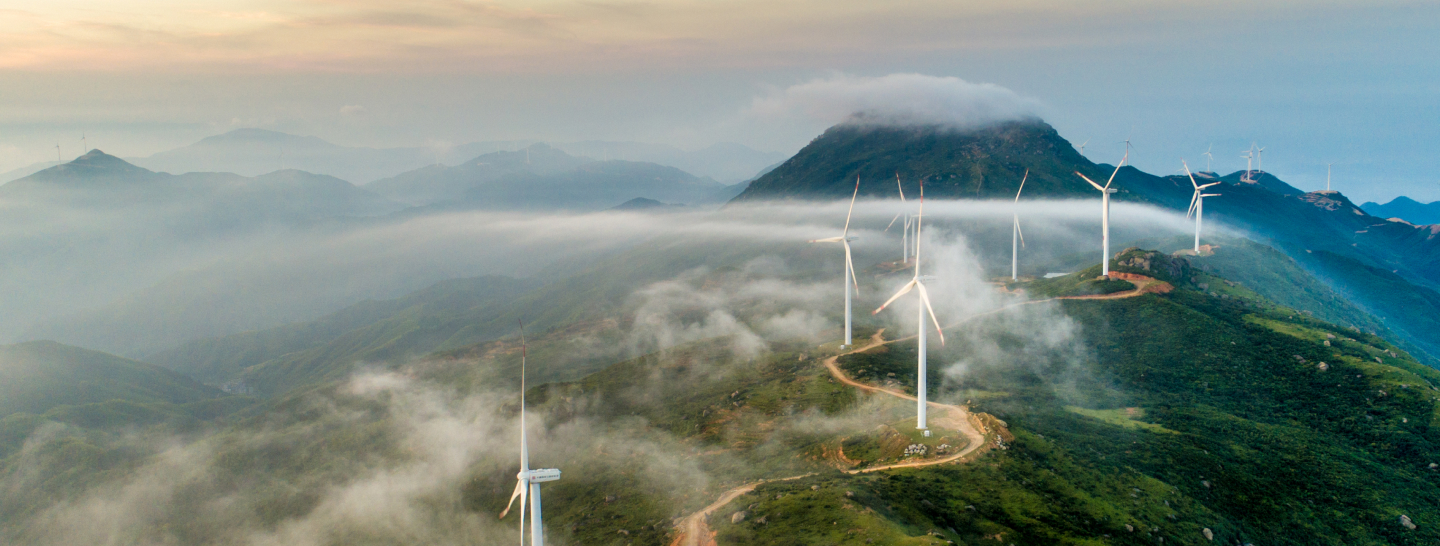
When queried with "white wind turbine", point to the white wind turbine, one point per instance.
{"points": [[1017, 238], [844, 239], [1082, 146], [1105, 192], [1260, 159], [924, 305], [527, 486], [1197, 203], [1208, 157], [1327, 175], [905, 233]]}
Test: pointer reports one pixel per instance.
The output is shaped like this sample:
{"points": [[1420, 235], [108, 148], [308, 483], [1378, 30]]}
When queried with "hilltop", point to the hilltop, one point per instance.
{"points": [[985, 163]]}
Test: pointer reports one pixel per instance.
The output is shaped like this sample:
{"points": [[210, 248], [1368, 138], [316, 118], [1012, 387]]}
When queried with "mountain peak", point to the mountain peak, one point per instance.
{"points": [[986, 162], [94, 164]]}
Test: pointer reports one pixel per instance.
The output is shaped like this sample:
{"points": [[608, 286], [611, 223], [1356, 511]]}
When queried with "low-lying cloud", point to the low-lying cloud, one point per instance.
{"points": [[896, 100]]}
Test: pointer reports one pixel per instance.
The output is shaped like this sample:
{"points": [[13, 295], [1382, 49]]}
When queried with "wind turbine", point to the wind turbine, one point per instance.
{"points": [[905, 233], [1197, 203], [919, 282], [58, 160], [1208, 157], [1327, 175], [1082, 146], [1105, 192], [527, 486], [1017, 238], [844, 239], [83, 144], [1260, 159], [1249, 156]]}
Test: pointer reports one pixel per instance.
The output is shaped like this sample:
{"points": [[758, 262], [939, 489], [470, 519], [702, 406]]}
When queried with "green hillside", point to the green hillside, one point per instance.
{"points": [[39, 375], [45, 383]]}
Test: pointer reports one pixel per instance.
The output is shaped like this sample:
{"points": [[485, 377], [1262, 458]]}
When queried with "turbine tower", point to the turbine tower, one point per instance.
{"points": [[1327, 175], [58, 160], [1260, 159], [1197, 203], [1017, 238], [924, 305], [1082, 146], [84, 145], [1249, 156], [527, 486], [1105, 192], [844, 239]]}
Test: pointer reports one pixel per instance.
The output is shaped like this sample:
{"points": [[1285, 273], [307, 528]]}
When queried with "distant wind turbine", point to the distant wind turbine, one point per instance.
{"points": [[83, 144], [844, 239], [1208, 157], [924, 305], [527, 486], [57, 153], [1105, 192], [909, 222], [1327, 175], [1017, 238], [1197, 203], [1260, 159], [1082, 146], [905, 232], [1249, 156]]}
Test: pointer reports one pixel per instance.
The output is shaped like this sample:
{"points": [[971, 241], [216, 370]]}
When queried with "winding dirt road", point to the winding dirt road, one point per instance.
{"points": [[694, 529]]}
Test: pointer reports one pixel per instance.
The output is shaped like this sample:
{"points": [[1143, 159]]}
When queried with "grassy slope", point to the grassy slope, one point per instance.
{"points": [[1413, 311]]}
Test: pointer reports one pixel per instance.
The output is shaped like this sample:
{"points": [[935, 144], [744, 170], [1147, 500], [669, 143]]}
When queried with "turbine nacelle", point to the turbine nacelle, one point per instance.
{"points": [[539, 475]]}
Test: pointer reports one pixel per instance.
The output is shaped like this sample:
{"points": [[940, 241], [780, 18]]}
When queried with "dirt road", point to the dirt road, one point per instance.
{"points": [[694, 528]]}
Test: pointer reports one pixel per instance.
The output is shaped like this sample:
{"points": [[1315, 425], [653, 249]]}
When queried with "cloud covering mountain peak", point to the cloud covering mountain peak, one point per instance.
{"points": [[897, 100]]}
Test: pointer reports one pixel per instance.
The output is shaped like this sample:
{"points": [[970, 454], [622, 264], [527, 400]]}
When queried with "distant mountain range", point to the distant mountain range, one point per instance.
{"points": [[1406, 209], [253, 152], [100, 180], [541, 177]]}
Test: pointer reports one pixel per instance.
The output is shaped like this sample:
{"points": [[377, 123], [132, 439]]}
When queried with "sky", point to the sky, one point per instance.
{"points": [[1349, 83]]}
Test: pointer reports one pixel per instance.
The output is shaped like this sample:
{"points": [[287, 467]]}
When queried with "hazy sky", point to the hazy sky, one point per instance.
{"points": [[1314, 82]]}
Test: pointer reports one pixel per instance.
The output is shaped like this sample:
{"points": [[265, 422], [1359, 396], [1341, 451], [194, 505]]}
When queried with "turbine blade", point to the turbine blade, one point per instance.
{"points": [[892, 223], [1193, 197], [519, 492], [1022, 185], [903, 290], [902, 188], [1117, 171], [850, 267], [925, 297], [1208, 185], [828, 240], [1092, 182], [1019, 232], [1187, 173], [846, 232]]}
